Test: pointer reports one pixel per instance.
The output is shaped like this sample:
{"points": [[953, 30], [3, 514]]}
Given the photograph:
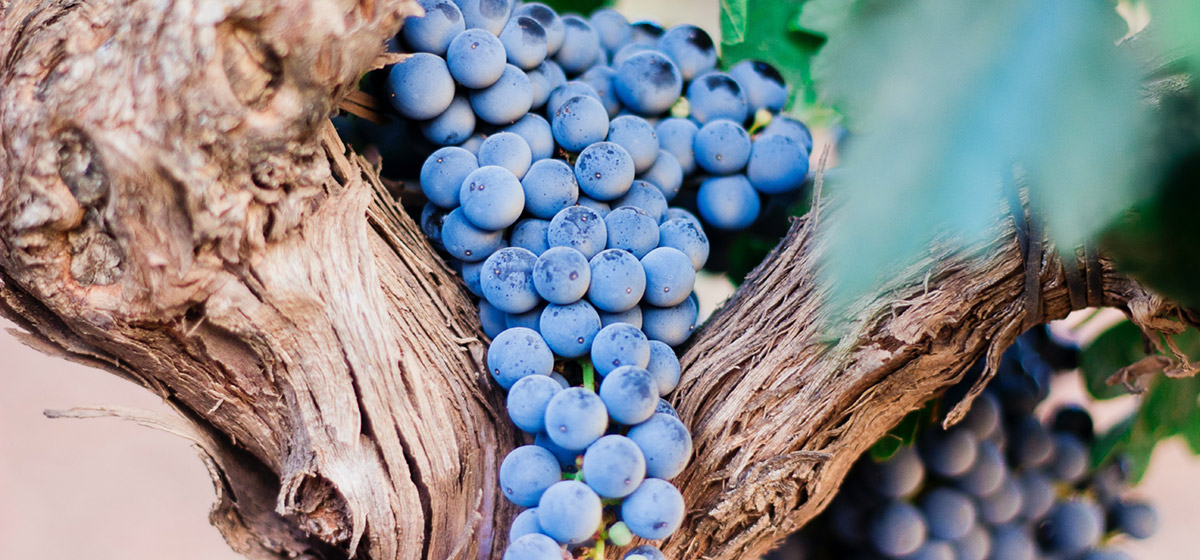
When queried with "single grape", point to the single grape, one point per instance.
{"points": [[764, 86], [949, 513], [530, 234], [517, 353], [579, 228], [470, 272], [629, 392], [1076, 421], [716, 95], [618, 281], [663, 367], [492, 198], [551, 75], [569, 329], [613, 466], [654, 510], [466, 242], [670, 276], [524, 41], [665, 407], [948, 452], [631, 229], [984, 417], [623, 53], [420, 86], [672, 325], [433, 32], [472, 144], [1135, 519], [580, 122], [527, 400], [550, 21], [601, 79], [432, 218], [666, 174], [490, 15], [1031, 445], [527, 524], [570, 512], [897, 529], [791, 128], [729, 203], [1070, 460], [678, 137], [637, 137], [777, 164], [580, 46], [443, 173], [536, 132], [491, 319], [507, 150], [933, 550], [562, 275], [648, 83], [506, 100], [646, 33], [722, 147], [675, 213], [899, 476], [1037, 494], [454, 125], [613, 29], [975, 545], [691, 48], [1071, 528], [476, 58], [1012, 541], [565, 91], [618, 345], [604, 171], [507, 280], [687, 237], [632, 316], [1003, 505], [666, 444], [645, 197], [526, 473], [601, 208], [575, 417], [550, 187], [533, 546], [988, 472]]}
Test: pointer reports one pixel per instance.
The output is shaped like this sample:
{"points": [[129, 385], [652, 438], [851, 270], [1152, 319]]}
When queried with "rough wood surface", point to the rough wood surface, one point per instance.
{"points": [[176, 209]]}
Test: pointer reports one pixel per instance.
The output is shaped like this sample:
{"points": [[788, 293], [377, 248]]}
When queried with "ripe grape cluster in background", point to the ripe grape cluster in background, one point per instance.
{"points": [[551, 150], [999, 485]]}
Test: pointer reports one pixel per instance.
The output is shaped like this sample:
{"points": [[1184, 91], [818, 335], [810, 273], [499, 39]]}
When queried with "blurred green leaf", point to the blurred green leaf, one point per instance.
{"points": [[1176, 26], [1114, 349], [1167, 408], [584, 7], [944, 97], [766, 35], [823, 17], [904, 433]]}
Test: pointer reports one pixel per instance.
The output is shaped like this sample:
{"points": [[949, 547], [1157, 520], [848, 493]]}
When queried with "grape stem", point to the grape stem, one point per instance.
{"points": [[589, 375]]}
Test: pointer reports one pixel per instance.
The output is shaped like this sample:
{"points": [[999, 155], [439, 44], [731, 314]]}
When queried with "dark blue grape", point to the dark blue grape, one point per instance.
{"points": [[527, 524], [950, 514], [1031, 445], [648, 83], [620, 344], [975, 545], [490, 15], [443, 173], [676, 213], [691, 48], [517, 353], [633, 316], [637, 137], [601, 79], [491, 319], [1071, 458], [567, 90], [570, 512], [897, 529], [678, 137], [729, 203], [949, 453], [1107, 554], [579, 228], [549, 187], [687, 237], [645, 197], [984, 417], [1037, 494], [623, 53], [933, 550], [550, 21], [988, 472], [431, 223], [1003, 505], [575, 417], [663, 366], [1076, 421], [618, 281], [665, 407], [524, 41], [507, 150], [666, 444], [1013, 542], [544, 79], [569, 329], [580, 46], [777, 164], [472, 144], [507, 280], [476, 58], [899, 476], [527, 400], [536, 132], [614, 466], [580, 122], [562, 275], [604, 171], [533, 546], [665, 174], [453, 126], [764, 87], [670, 276], [471, 271], [613, 29], [629, 392], [420, 86], [492, 198], [506, 100], [672, 325], [791, 128], [654, 510], [716, 95], [631, 229], [644, 552], [433, 32], [1135, 519], [530, 234], [722, 147], [526, 473], [646, 33], [601, 208], [466, 242]]}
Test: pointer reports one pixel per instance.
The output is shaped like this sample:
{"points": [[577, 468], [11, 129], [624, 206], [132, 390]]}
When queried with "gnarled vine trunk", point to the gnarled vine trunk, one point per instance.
{"points": [[176, 209]]}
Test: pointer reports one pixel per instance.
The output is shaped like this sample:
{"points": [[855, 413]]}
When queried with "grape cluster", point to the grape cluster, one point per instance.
{"points": [[999, 485]]}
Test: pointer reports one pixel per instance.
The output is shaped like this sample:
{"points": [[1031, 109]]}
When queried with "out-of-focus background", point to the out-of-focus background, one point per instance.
{"points": [[107, 489]]}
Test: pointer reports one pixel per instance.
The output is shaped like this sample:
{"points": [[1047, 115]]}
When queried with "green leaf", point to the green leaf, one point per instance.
{"points": [[943, 97], [1114, 349], [762, 31], [904, 433], [1176, 25], [577, 6], [823, 17]]}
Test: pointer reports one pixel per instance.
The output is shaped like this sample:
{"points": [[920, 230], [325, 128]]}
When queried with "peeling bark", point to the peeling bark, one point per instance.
{"points": [[176, 209]]}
